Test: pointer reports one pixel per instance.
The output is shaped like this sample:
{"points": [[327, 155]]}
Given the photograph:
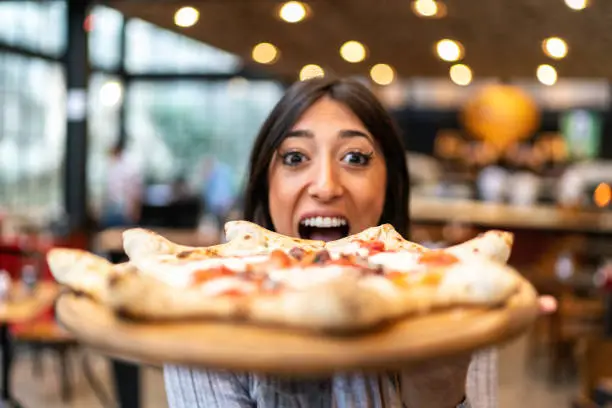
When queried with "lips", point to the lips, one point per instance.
{"points": [[323, 227]]}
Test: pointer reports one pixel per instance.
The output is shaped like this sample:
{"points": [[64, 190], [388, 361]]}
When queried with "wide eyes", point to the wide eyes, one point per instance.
{"points": [[357, 158], [293, 159]]}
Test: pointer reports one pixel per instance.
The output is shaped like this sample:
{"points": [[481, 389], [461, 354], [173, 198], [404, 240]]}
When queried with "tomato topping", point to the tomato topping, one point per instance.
{"points": [[279, 259], [438, 258], [232, 292], [205, 275], [373, 246], [308, 259], [344, 260]]}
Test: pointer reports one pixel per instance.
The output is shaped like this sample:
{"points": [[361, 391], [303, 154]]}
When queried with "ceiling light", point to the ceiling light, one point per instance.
{"points": [[382, 74], [555, 47], [111, 93], [186, 16], [353, 51], [292, 11], [546, 74], [449, 50], [265, 53], [425, 8], [461, 74], [577, 4], [311, 71]]}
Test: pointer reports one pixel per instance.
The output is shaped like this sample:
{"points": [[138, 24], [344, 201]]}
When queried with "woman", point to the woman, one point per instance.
{"points": [[329, 149]]}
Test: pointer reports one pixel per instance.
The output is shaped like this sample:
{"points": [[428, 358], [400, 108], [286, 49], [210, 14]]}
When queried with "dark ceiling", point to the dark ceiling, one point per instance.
{"points": [[502, 38]]}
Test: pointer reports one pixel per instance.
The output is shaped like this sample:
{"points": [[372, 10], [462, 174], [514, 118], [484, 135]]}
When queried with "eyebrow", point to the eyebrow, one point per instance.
{"points": [[345, 133]]}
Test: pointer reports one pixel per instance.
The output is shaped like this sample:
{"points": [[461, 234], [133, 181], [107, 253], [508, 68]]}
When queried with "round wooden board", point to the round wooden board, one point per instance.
{"points": [[244, 347]]}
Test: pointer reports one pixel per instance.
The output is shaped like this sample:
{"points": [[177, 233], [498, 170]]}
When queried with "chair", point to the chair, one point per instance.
{"points": [[42, 333]]}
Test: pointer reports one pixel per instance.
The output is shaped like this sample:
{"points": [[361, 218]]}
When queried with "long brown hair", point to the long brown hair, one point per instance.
{"points": [[362, 102]]}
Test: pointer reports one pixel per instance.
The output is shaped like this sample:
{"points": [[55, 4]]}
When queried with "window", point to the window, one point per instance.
{"points": [[153, 49], [32, 132], [34, 25], [105, 37], [173, 125], [104, 108]]}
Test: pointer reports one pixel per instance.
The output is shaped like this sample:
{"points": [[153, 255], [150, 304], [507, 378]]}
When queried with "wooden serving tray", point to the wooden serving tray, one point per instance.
{"points": [[243, 347]]}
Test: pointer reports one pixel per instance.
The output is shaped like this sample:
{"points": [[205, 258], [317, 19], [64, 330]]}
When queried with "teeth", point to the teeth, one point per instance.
{"points": [[324, 222]]}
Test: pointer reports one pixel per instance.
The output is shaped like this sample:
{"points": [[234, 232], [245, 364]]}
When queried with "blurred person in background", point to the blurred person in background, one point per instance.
{"points": [[218, 192], [122, 199]]}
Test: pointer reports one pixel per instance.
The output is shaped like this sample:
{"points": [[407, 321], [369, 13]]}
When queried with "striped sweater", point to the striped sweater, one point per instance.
{"points": [[191, 388]]}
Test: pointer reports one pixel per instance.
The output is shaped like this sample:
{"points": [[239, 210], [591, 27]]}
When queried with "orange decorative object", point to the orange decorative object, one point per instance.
{"points": [[602, 195], [501, 115]]}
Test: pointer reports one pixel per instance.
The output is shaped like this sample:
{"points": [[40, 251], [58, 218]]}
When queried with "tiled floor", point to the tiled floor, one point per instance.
{"points": [[519, 386]]}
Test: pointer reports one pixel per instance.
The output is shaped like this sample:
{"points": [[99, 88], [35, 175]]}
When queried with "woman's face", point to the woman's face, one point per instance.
{"points": [[328, 177]]}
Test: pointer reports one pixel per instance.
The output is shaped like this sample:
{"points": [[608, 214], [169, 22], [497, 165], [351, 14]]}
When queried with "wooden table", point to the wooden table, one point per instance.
{"points": [[20, 307], [111, 241], [506, 216]]}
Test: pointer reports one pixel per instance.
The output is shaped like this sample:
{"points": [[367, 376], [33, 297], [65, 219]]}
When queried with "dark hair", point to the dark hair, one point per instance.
{"points": [[362, 102]]}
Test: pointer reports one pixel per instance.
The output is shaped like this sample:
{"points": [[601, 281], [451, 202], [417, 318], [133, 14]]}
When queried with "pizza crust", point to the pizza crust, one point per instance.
{"points": [[494, 244], [83, 272], [245, 234], [144, 297], [341, 305], [482, 283]]}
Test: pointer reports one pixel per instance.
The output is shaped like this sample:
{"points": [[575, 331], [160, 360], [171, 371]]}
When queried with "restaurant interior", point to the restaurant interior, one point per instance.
{"points": [[505, 108]]}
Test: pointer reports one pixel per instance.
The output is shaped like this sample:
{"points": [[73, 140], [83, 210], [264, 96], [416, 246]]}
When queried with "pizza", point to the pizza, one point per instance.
{"points": [[261, 277]]}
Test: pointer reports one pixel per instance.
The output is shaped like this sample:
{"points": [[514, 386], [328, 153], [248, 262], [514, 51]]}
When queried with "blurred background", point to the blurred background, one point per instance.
{"points": [[115, 113]]}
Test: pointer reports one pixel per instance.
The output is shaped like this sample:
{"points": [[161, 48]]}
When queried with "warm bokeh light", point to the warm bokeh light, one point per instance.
{"points": [[186, 16], [429, 8], [265, 53], [546, 74], [577, 4], [500, 114], [353, 51], [293, 12], [449, 50], [311, 71], [382, 74], [602, 195], [461, 74], [555, 47]]}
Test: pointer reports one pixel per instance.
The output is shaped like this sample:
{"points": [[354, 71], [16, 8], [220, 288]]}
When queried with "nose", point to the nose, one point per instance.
{"points": [[325, 185]]}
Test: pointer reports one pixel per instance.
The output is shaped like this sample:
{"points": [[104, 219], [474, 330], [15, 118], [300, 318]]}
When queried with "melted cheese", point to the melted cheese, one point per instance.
{"points": [[397, 261], [351, 248], [180, 275], [302, 278], [222, 285]]}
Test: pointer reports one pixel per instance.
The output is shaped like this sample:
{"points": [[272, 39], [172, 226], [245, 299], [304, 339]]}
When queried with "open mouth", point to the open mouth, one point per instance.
{"points": [[323, 228]]}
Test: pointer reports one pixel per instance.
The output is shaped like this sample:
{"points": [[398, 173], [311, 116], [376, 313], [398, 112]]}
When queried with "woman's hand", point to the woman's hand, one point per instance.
{"points": [[442, 384], [436, 384]]}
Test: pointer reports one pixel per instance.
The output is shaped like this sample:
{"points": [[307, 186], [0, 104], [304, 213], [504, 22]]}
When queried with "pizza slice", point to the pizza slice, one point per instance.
{"points": [[83, 272], [281, 291], [262, 277]]}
